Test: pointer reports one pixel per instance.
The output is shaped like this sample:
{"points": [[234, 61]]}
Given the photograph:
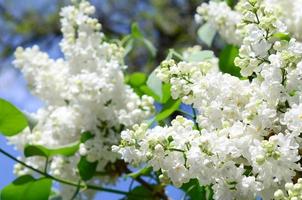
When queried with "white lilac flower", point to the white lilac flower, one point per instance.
{"points": [[84, 91], [247, 140], [227, 21], [293, 191], [222, 18]]}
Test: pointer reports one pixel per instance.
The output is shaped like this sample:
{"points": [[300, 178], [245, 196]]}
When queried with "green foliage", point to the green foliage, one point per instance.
{"points": [[140, 193], [226, 60], [137, 79], [142, 172], [174, 55], [154, 87], [166, 93], [39, 150], [86, 136], [32, 122], [12, 121], [197, 192], [150, 86], [162, 90], [200, 56], [231, 3], [137, 37], [135, 32], [138, 82], [281, 36], [169, 108], [27, 187], [86, 169], [155, 84], [150, 47], [206, 34]]}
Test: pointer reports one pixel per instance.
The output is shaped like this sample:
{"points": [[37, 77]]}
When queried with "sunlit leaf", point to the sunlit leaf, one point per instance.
{"points": [[148, 91], [169, 108], [135, 31], [39, 150], [140, 193], [162, 90], [166, 91], [281, 36], [231, 3], [12, 121], [39, 189], [206, 34], [226, 60], [174, 55], [86, 169], [87, 135], [137, 79], [26, 187], [142, 172], [155, 84], [200, 56], [197, 192], [32, 122]]}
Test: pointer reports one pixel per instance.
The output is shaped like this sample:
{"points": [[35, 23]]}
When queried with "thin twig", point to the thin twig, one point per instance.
{"points": [[66, 182], [75, 194]]}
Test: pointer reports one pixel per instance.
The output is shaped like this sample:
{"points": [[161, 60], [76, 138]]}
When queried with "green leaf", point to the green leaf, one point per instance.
{"points": [[169, 108], [206, 34], [166, 91], [136, 37], [128, 46], [142, 172], [135, 31], [281, 36], [152, 86], [55, 195], [87, 135], [150, 47], [12, 121], [174, 55], [39, 150], [197, 192], [230, 3], [155, 84], [36, 150], [226, 60], [32, 122], [138, 83], [86, 169], [137, 79], [39, 189], [140, 193], [146, 90], [209, 193], [16, 189], [248, 170], [200, 56], [26, 187], [162, 90]]}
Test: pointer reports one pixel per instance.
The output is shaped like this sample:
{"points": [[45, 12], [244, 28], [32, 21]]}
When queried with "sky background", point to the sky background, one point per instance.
{"points": [[13, 86]]}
